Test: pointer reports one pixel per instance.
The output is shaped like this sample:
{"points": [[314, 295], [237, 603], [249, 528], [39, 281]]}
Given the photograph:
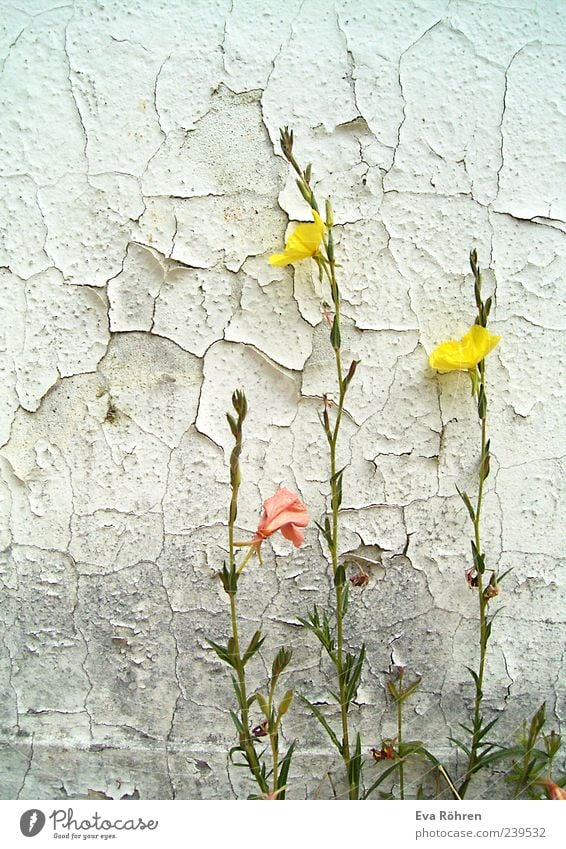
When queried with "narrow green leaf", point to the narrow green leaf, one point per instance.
{"points": [[393, 692], [485, 463], [482, 402], [222, 652], [238, 692], [326, 533], [355, 766], [408, 691], [281, 661], [284, 771], [466, 499], [256, 643], [284, 706], [233, 425], [461, 746], [385, 774], [263, 704], [345, 598], [335, 340], [410, 747], [323, 722], [237, 722], [479, 561]]}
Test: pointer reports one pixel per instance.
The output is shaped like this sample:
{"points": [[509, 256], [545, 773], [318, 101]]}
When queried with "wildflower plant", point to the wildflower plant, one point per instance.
{"points": [[533, 758], [396, 751], [469, 355], [316, 241], [258, 747]]}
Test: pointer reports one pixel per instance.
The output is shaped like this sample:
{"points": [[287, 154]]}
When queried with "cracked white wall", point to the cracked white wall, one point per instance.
{"points": [[141, 194]]}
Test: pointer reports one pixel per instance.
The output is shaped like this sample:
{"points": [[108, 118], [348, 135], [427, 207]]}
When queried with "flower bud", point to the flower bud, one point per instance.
{"points": [[329, 214]]}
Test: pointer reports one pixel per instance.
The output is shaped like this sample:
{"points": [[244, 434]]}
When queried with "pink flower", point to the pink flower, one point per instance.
{"points": [[283, 512]]}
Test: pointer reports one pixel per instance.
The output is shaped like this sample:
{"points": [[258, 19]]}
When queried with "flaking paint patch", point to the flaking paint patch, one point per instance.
{"points": [[142, 193]]}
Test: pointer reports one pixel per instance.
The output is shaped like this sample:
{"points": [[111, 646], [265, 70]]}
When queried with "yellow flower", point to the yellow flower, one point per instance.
{"points": [[465, 354], [303, 242]]}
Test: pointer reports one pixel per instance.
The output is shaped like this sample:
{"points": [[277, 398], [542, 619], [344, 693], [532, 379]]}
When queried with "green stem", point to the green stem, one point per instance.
{"points": [[273, 739], [245, 738], [476, 726], [353, 791], [400, 736]]}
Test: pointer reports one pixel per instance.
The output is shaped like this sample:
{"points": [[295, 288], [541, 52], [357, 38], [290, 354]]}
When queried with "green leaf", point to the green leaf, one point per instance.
{"points": [[284, 771], [284, 706], [255, 644], [340, 576], [482, 402], [320, 630], [408, 691], [325, 534], [466, 499], [474, 675], [304, 190], [485, 463], [237, 722], [281, 661], [323, 722], [410, 747], [345, 597], [474, 377], [393, 692], [229, 578], [223, 653], [351, 372], [385, 774], [231, 754], [461, 746], [354, 674], [335, 340], [479, 561], [233, 425], [355, 766], [238, 692], [261, 700], [537, 723]]}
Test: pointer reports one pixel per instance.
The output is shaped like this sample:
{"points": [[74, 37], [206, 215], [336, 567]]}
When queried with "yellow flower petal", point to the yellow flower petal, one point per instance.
{"points": [[303, 242], [465, 354]]}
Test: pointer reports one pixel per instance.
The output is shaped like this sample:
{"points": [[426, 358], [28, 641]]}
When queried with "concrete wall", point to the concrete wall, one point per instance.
{"points": [[142, 192]]}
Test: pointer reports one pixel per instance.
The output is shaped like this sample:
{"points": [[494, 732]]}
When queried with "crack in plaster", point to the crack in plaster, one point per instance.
{"points": [[267, 611]]}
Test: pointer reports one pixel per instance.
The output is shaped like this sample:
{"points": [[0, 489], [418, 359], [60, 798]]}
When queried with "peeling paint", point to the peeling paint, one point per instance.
{"points": [[141, 192]]}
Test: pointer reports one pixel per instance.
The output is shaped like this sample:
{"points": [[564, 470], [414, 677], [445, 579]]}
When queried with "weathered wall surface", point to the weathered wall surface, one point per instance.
{"points": [[142, 192]]}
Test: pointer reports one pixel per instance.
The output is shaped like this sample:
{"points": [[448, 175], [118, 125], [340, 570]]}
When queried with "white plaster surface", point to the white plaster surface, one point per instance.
{"points": [[141, 193]]}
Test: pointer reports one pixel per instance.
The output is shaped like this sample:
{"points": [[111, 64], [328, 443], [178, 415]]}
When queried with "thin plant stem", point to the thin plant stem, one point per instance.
{"points": [[478, 746], [348, 675], [274, 742], [245, 738], [476, 727], [339, 588], [400, 737]]}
